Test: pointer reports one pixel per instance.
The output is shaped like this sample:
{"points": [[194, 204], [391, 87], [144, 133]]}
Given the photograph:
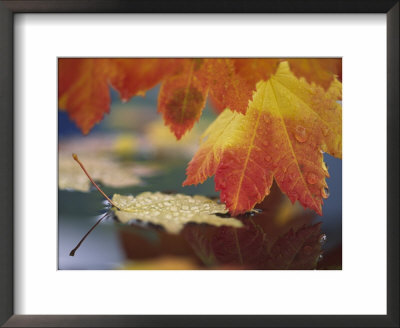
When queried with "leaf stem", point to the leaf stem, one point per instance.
{"points": [[75, 156], [72, 253]]}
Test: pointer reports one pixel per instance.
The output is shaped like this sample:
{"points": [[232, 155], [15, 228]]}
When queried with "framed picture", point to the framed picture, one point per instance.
{"points": [[254, 237]]}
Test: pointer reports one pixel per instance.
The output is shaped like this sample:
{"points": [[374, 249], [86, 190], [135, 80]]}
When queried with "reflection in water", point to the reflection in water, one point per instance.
{"points": [[280, 236]]}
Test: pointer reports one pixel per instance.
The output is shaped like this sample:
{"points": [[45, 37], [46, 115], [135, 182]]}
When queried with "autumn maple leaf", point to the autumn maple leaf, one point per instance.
{"points": [[183, 96], [287, 126], [321, 71], [83, 90], [228, 89], [84, 84], [230, 84]]}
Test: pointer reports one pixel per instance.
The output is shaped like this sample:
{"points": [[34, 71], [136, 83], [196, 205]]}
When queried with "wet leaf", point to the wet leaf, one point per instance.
{"points": [[171, 211], [104, 170], [227, 88], [282, 135], [183, 97]]}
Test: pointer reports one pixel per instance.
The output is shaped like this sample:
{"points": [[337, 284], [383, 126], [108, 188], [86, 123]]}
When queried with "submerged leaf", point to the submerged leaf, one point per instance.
{"points": [[171, 211]]}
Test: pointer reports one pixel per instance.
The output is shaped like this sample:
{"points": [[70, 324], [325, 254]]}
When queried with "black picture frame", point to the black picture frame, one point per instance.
{"points": [[10, 7]]}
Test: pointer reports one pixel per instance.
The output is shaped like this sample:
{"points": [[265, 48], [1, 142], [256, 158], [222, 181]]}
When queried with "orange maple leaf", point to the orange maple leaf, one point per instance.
{"points": [[83, 90], [134, 76], [83, 84], [255, 69], [321, 71], [282, 135], [183, 96], [227, 88]]}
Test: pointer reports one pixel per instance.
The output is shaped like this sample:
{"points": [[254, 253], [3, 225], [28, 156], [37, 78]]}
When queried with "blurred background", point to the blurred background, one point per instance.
{"points": [[131, 151]]}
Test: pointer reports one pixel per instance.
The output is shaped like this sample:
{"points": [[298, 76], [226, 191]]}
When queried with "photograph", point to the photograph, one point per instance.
{"points": [[199, 163], [188, 160]]}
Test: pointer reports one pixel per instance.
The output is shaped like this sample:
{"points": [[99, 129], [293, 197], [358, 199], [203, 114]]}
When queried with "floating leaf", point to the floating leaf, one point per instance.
{"points": [[286, 127], [164, 144], [171, 211], [107, 171]]}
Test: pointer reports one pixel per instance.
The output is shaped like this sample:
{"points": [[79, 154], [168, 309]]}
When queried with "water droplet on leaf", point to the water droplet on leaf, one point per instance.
{"points": [[325, 131], [300, 134], [312, 178], [325, 192]]}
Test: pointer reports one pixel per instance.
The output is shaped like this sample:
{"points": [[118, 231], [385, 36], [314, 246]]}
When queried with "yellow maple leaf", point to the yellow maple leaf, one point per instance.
{"points": [[287, 126], [105, 170], [171, 211]]}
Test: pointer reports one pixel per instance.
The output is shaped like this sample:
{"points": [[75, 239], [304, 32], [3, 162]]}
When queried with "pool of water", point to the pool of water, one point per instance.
{"points": [[281, 236]]}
